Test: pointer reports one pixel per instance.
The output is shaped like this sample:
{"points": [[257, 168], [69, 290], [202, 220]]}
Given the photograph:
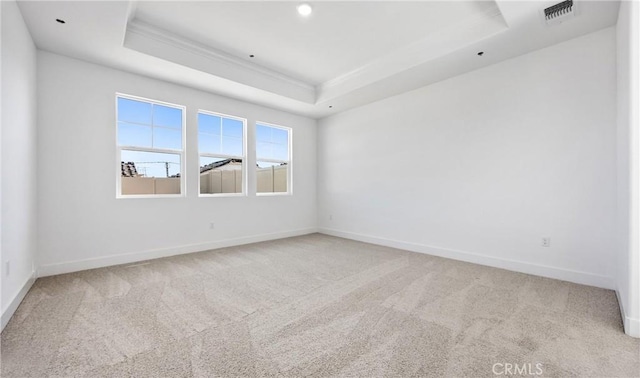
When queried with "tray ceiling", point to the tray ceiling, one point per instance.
{"points": [[344, 55]]}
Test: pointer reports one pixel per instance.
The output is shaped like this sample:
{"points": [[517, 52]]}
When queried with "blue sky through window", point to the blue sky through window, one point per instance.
{"points": [[208, 124], [220, 135], [272, 143], [166, 116], [134, 135], [134, 111], [146, 125]]}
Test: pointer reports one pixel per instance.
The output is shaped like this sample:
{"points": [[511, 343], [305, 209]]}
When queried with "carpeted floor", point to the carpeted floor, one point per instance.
{"points": [[314, 305]]}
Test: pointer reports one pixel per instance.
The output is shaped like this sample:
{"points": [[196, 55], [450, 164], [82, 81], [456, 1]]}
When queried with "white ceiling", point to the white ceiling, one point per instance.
{"points": [[335, 39], [345, 55]]}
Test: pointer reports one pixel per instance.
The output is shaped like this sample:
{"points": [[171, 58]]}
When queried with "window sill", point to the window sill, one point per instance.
{"points": [[138, 196], [221, 195], [274, 194]]}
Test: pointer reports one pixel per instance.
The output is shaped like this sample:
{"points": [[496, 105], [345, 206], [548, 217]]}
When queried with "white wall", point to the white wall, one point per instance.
{"points": [[18, 158], [81, 222], [486, 164], [627, 272]]}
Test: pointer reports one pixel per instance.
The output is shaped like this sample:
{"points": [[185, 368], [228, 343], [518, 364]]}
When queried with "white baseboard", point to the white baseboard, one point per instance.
{"points": [[8, 312], [101, 262], [583, 278], [631, 325]]}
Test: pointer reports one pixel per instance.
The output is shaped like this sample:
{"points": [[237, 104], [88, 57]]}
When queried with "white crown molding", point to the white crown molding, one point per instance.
{"points": [[144, 29], [463, 33]]}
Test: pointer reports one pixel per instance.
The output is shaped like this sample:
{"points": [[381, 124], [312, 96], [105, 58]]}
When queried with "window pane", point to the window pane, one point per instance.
{"points": [[232, 127], [134, 111], [167, 138], [280, 152], [167, 116], [272, 142], [153, 164], [208, 143], [280, 136], [149, 173], [263, 133], [264, 150], [232, 146], [208, 124], [220, 175], [272, 177], [134, 135]]}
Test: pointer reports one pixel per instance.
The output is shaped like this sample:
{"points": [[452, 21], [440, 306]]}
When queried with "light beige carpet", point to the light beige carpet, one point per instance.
{"points": [[314, 306]]}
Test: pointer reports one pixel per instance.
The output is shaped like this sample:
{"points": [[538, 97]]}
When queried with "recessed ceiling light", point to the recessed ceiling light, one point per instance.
{"points": [[61, 21], [305, 9], [481, 53]]}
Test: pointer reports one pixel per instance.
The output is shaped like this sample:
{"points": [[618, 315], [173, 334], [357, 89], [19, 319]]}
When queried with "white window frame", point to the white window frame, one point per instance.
{"points": [[181, 152], [223, 156], [289, 162]]}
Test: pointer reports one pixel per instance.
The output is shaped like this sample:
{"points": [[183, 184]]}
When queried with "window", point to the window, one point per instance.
{"points": [[221, 144], [273, 155], [150, 147]]}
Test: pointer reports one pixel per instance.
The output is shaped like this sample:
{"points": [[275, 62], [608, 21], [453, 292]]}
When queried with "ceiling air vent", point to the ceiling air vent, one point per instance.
{"points": [[559, 13]]}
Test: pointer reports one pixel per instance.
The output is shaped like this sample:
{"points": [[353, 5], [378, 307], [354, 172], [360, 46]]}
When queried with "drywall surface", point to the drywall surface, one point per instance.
{"points": [[18, 158], [482, 166], [83, 224], [627, 274]]}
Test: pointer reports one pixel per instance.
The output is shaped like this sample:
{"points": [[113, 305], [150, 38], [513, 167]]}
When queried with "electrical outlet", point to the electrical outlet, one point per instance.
{"points": [[212, 226], [546, 242], [7, 268], [330, 216]]}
